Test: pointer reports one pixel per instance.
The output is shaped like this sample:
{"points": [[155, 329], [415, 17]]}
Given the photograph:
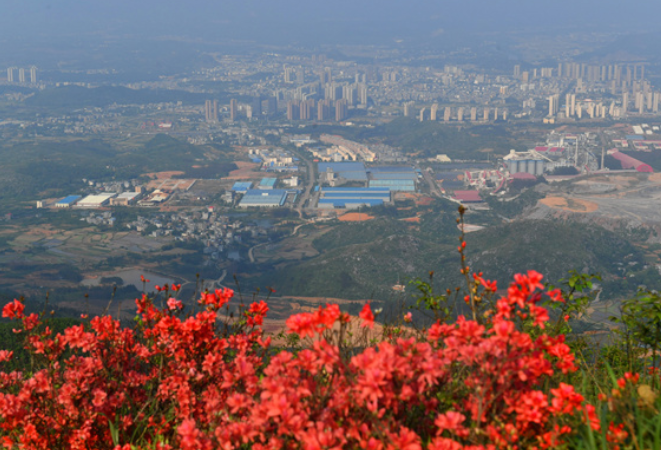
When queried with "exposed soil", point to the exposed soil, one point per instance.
{"points": [[245, 171], [163, 175], [571, 204], [355, 217]]}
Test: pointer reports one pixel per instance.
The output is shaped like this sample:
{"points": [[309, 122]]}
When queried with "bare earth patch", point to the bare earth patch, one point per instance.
{"points": [[573, 205], [163, 175], [245, 171], [355, 217], [171, 184]]}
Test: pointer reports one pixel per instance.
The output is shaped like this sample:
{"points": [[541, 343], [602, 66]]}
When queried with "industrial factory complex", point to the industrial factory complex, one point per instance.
{"points": [[351, 175]]}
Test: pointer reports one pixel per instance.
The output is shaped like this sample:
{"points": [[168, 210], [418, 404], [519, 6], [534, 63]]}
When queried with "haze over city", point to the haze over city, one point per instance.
{"points": [[349, 224]]}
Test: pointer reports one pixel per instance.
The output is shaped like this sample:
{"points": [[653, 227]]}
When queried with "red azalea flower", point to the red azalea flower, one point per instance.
{"points": [[367, 315]]}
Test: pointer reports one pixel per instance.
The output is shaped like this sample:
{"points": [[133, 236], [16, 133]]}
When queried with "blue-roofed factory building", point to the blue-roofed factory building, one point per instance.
{"points": [[351, 198], [67, 202], [241, 187], [345, 166], [265, 198], [267, 183], [402, 185], [351, 171], [395, 178], [393, 175], [392, 169]]}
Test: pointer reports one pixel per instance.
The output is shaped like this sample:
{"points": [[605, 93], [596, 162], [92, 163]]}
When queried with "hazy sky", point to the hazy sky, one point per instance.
{"points": [[297, 20]]}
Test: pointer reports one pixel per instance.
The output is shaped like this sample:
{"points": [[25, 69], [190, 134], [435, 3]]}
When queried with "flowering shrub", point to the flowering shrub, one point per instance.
{"points": [[197, 383], [503, 378]]}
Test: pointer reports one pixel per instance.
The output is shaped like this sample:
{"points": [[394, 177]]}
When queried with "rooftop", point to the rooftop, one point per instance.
{"points": [[468, 196], [69, 199]]}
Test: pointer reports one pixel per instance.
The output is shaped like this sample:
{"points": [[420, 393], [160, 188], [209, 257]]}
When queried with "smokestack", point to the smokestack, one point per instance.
{"points": [[603, 154]]}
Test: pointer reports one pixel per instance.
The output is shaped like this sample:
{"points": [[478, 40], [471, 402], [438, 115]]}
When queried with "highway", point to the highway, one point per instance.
{"points": [[433, 187], [307, 189]]}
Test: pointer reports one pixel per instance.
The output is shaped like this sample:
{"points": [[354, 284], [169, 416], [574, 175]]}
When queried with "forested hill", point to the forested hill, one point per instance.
{"points": [[363, 260]]}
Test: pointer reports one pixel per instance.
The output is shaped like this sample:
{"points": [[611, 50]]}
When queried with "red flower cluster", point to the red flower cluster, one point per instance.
{"points": [[178, 382]]}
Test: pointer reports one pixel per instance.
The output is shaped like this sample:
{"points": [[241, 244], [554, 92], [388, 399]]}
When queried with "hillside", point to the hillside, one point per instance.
{"points": [[81, 97], [365, 260], [54, 168]]}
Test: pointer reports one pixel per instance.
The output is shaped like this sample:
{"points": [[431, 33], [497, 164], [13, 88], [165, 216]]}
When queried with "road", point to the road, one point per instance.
{"points": [[429, 179], [307, 190], [220, 279], [210, 283], [251, 252]]}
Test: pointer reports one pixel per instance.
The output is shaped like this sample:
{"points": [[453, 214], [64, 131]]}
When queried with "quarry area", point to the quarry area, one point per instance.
{"points": [[612, 200]]}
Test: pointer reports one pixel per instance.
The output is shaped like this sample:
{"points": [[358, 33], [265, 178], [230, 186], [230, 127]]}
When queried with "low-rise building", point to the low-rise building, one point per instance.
{"points": [[67, 202], [125, 199], [96, 200], [267, 183], [263, 198]]}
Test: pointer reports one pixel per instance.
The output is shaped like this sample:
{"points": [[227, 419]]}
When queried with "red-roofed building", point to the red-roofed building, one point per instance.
{"points": [[523, 176], [468, 196], [629, 162]]}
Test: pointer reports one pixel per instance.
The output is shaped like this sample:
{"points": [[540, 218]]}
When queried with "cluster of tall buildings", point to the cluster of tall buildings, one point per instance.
{"points": [[459, 114], [18, 75], [636, 96], [311, 109], [211, 110], [294, 75], [612, 72], [354, 93], [324, 98], [645, 99], [618, 73], [587, 108], [259, 106]]}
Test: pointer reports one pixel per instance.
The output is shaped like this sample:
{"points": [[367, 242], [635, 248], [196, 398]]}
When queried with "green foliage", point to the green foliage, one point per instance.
{"points": [[32, 171], [112, 280], [553, 248], [9, 340], [426, 299], [578, 292], [568, 315], [348, 234], [641, 319], [19, 269], [364, 259]]}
